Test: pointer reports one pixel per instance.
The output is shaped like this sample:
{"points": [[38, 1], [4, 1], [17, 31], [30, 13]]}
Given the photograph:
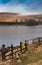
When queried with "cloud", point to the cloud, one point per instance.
{"points": [[23, 7], [13, 8]]}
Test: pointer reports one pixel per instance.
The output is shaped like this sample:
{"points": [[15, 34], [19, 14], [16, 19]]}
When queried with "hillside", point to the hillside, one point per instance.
{"points": [[12, 17], [7, 17]]}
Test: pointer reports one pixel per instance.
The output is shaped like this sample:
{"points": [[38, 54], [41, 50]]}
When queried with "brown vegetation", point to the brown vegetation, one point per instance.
{"points": [[11, 17]]}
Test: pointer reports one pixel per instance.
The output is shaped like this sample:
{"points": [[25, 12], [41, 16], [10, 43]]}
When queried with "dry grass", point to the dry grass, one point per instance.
{"points": [[29, 58]]}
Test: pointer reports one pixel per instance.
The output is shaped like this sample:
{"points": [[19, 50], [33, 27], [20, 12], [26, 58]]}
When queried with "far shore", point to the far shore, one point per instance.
{"points": [[21, 23]]}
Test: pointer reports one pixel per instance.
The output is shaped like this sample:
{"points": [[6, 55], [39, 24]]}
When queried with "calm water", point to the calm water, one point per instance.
{"points": [[14, 34]]}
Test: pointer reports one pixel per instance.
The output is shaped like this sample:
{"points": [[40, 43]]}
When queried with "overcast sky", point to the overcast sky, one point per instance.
{"points": [[23, 7]]}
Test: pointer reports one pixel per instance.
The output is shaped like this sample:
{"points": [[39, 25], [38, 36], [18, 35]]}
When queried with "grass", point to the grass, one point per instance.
{"points": [[30, 58]]}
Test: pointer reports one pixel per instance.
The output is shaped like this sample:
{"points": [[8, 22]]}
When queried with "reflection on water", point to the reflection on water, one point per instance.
{"points": [[15, 34]]}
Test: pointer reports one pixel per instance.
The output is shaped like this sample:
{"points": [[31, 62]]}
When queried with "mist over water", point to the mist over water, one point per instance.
{"points": [[14, 34]]}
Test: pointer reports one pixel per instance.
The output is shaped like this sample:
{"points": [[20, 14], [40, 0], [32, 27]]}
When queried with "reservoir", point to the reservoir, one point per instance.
{"points": [[13, 34]]}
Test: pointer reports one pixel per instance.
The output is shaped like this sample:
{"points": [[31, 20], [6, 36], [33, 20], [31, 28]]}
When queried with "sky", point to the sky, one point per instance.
{"points": [[24, 7]]}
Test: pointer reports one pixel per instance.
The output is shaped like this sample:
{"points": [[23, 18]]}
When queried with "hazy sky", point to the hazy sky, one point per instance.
{"points": [[21, 6]]}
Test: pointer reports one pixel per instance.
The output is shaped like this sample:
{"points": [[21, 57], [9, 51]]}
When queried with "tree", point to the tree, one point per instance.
{"points": [[16, 20], [31, 22]]}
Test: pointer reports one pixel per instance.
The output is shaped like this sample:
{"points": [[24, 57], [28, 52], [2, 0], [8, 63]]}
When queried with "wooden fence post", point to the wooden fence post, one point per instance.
{"points": [[12, 50], [21, 46], [3, 52], [25, 45]]}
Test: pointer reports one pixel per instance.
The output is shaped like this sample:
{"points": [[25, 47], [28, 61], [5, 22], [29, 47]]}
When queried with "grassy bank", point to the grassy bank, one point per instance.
{"points": [[29, 58]]}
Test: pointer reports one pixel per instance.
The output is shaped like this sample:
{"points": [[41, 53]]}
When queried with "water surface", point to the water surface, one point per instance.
{"points": [[14, 34]]}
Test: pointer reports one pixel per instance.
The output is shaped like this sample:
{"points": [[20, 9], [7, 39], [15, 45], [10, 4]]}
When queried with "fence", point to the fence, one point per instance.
{"points": [[9, 52], [38, 40]]}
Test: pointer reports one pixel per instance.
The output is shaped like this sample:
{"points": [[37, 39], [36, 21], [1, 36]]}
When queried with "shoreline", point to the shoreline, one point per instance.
{"points": [[20, 23], [33, 53]]}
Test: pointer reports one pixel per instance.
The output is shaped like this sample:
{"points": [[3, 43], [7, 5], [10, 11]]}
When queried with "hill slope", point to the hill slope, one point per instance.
{"points": [[11, 17]]}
